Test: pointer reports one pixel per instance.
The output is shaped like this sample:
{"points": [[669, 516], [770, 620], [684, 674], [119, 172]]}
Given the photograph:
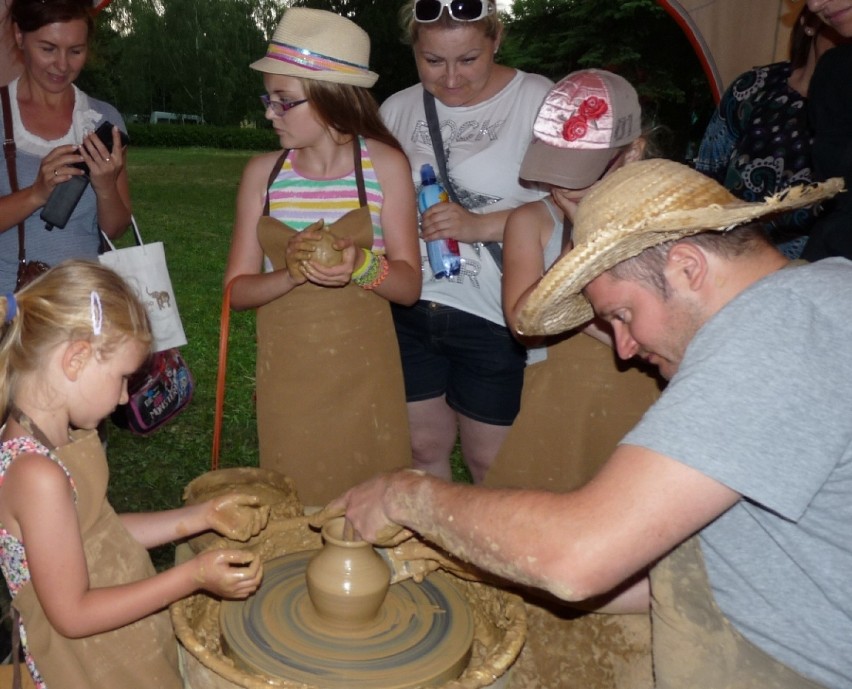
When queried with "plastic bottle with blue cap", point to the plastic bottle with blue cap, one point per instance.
{"points": [[444, 257]]}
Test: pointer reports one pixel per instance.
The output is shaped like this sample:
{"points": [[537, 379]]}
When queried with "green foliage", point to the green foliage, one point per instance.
{"points": [[181, 136], [193, 56], [190, 56], [390, 58], [634, 38], [185, 198]]}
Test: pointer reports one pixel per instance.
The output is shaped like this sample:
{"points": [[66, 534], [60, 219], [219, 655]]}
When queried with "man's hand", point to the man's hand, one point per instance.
{"points": [[363, 505], [416, 559]]}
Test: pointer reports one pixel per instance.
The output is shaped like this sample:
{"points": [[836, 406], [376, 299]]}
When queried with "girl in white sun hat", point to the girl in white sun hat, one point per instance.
{"points": [[330, 399]]}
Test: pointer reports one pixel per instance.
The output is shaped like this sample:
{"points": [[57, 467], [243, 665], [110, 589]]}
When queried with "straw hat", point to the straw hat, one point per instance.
{"points": [[320, 45], [636, 207], [584, 119]]}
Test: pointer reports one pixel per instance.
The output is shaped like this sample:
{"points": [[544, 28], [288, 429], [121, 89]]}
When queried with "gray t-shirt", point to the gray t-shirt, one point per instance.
{"points": [[763, 404], [79, 238]]}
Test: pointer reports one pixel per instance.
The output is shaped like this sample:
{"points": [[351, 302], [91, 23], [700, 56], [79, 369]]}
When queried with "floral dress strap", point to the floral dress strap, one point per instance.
{"points": [[13, 560]]}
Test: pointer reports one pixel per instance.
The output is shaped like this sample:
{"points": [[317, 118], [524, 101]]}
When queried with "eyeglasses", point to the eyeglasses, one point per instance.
{"points": [[460, 10], [279, 108]]}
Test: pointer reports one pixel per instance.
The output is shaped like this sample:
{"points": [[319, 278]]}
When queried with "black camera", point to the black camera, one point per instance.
{"points": [[64, 197]]}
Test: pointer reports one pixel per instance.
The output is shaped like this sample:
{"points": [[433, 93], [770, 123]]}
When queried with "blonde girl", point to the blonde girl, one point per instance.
{"points": [[92, 609]]}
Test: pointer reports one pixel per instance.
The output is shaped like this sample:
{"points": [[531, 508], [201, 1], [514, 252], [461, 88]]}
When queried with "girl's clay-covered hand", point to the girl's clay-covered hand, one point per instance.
{"points": [[233, 574], [300, 249], [237, 516], [334, 274]]}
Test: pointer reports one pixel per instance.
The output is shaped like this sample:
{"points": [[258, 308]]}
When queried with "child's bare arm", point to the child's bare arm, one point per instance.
{"points": [[234, 515]]}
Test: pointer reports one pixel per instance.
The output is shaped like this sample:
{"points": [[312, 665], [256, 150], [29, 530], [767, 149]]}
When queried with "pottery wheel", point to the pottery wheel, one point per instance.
{"points": [[421, 637]]}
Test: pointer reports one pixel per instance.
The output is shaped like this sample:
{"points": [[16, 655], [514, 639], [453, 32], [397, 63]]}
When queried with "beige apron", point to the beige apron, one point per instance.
{"points": [[141, 655], [575, 408], [695, 646], [331, 407]]}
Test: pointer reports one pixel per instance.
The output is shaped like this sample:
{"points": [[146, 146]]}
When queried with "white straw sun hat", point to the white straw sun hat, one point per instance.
{"points": [[320, 45], [632, 209]]}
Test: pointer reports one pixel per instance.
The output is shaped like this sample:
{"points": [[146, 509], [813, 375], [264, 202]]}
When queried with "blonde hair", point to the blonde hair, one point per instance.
{"points": [[75, 300], [490, 24]]}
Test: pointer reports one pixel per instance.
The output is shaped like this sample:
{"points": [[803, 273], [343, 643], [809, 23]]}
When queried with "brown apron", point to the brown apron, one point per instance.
{"points": [[141, 655], [695, 646], [331, 407], [575, 408]]}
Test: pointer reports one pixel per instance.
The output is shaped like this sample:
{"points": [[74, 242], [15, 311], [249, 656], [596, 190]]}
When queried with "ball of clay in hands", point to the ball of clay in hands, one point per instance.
{"points": [[321, 250]]}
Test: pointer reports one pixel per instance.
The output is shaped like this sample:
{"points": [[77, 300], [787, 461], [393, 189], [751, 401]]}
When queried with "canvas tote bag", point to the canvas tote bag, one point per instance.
{"points": [[144, 268]]}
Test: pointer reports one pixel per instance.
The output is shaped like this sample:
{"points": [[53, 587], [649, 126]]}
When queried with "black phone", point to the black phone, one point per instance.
{"points": [[64, 197], [104, 133]]}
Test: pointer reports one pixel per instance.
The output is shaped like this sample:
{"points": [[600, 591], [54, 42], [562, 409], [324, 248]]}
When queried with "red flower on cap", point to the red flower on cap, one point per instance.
{"points": [[593, 107], [575, 127]]}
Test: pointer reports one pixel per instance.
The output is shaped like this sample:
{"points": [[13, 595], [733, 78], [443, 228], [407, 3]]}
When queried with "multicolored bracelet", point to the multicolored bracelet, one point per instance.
{"points": [[372, 272], [383, 273], [369, 260]]}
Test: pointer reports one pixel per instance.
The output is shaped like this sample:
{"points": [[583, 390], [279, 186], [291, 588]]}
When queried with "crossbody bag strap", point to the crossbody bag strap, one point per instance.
{"points": [[494, 248], [438, 144], [9, 151]]}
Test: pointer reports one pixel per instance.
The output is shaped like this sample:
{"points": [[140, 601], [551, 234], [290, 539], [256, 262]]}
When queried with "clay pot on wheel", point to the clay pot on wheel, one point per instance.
{"points": [[347, 580]]}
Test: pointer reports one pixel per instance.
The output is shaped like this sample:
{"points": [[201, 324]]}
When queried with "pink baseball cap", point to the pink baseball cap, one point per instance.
{"points": [[584, 118]]}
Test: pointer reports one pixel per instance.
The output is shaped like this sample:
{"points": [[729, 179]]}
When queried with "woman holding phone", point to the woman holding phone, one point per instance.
{"points": [[52, 124]]}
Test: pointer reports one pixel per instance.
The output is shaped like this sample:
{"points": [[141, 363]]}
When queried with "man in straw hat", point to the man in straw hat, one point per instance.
{"points": [[734, 491]]}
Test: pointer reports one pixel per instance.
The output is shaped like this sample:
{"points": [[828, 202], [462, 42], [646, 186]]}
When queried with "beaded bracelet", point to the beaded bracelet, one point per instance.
{"points": [[373, 271], [369, 260], [383, 273]]}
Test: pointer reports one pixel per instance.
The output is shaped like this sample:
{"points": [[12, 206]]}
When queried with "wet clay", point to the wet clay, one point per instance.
{"points": [[347, 581], [497, 619], [421, 636], [268, 486]]}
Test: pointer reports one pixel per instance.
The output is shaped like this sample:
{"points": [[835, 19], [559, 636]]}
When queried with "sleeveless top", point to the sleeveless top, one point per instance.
{"points": [[551, 252], [300, 201], [138, 655], [13, 556]]}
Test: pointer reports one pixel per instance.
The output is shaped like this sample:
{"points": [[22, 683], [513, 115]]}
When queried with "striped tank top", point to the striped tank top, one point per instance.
{"points": [[300, 202]]}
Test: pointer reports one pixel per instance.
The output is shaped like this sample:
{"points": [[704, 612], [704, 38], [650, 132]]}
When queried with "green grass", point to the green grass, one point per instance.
{"points": [[185, 198]]}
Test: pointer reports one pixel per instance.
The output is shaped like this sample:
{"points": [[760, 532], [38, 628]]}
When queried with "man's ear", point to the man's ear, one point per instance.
{"points": [[77, 354], [686, 266]]}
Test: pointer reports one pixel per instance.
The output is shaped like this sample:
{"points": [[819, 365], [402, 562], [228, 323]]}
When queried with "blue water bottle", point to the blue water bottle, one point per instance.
{"points": [[444, 258]]}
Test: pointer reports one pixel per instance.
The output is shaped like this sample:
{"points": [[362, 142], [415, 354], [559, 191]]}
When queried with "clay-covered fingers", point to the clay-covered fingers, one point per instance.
{"points": [[405, 567], [234, 574], [414, 559], [336, 508], [299, 250], [362, 505], [237, 516]]}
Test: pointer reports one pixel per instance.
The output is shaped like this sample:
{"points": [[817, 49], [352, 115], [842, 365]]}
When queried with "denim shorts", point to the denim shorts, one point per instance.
{"points": [[477, 364]]}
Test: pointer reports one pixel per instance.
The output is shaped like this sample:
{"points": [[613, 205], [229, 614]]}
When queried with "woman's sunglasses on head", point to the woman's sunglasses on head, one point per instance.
{"points": [[460, 10]]}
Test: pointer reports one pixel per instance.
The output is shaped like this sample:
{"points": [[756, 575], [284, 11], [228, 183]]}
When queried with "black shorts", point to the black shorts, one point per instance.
{"points": [[477, 364]]}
